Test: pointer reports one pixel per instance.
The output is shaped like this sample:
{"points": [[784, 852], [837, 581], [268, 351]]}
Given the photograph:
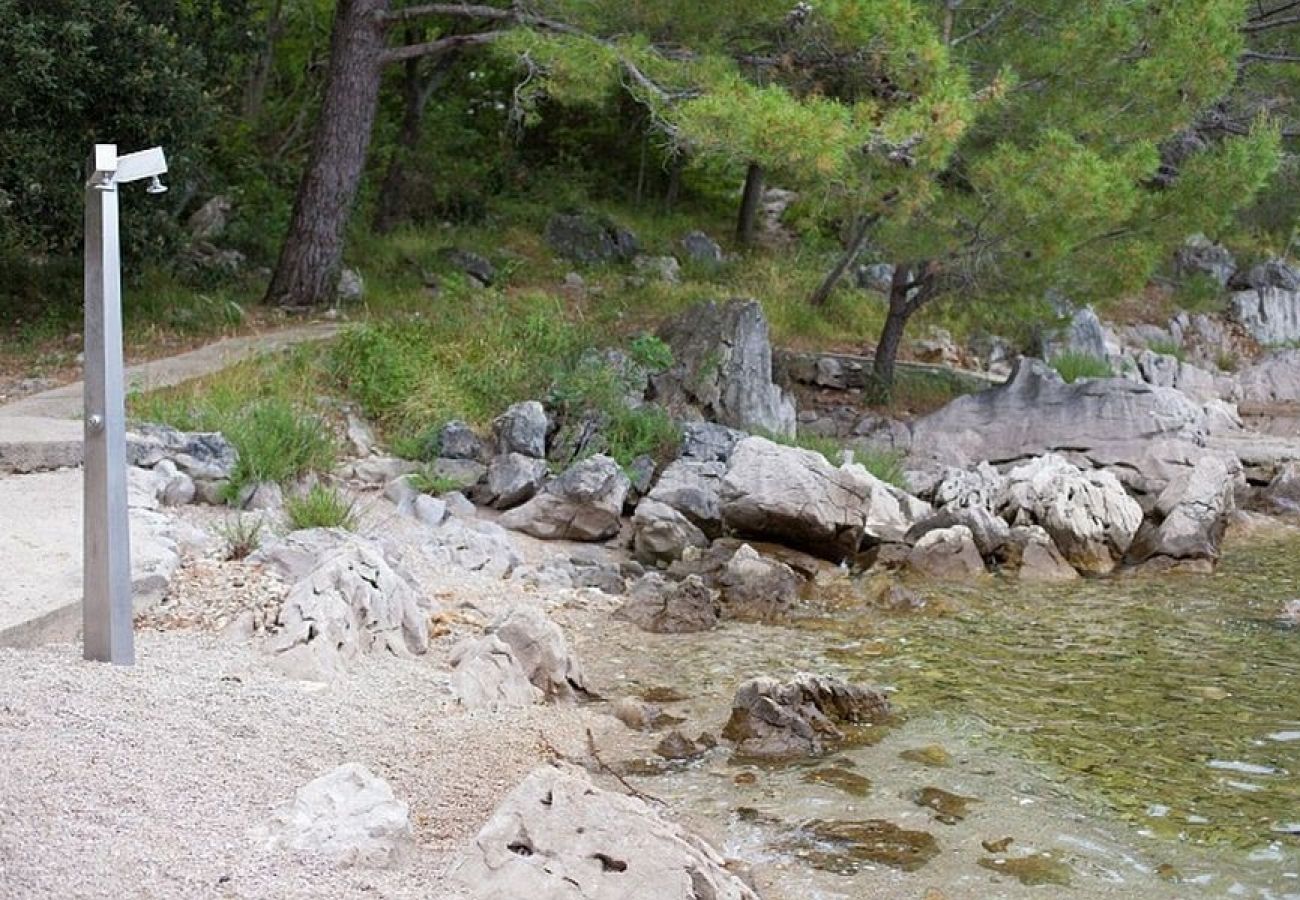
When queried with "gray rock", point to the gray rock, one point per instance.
{"points": [[757, 589], [1273, 273], [521, 429], [641, 473], [459, 506], [946, 553], [702, 249], [1088, 514], [208, 222], [462, 474], [1148, 434], [360, 435], [482, 547], [981, 486], [204, 456], [265, 495], [589, 240], [774, 720], [990, 532], [351, 287], [581, 436], [1274, 379], [661, 534], [1192, 513], [1282, 495], [432, 511], [457, 440], [877, 277], [658, 605], [469, 263], [522, 659], [722, 369], [694, 489], [1201, 256], [795, 496], [1034, 557], [1270, 314], [584, 504], [559, 837], [348, 815], [379, 469], [659, 268], [709, 441], [1084, 334], [352, 601], [513, 478]]}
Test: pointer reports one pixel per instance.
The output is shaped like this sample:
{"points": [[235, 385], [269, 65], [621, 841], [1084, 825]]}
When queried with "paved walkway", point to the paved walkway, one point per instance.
{"points": [[41, 494]]}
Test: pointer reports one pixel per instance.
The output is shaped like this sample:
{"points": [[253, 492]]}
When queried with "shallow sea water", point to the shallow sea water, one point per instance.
{"points": [[1133, 738]]}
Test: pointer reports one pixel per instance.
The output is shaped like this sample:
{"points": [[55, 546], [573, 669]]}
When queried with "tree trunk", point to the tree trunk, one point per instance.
{"points": [[255, 90], [906, 296], [857, 241], [309, 259], [750, 201], [674, 181], [417, 89]]}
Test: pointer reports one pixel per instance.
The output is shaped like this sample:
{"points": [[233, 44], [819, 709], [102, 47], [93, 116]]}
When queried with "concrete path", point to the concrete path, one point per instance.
{"points": [[41, 495], [43, 431]]}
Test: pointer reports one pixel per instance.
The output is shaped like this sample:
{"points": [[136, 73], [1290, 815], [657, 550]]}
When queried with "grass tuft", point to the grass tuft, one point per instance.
{"points": [[321, 507], [1074, 365]]}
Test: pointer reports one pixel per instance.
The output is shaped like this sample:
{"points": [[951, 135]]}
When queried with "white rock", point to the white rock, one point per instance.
{"points": [[348, 815], [523, 659]]}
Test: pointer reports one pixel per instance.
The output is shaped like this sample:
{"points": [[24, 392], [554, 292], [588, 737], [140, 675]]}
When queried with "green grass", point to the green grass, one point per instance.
{"points": [[426, 481], [887, 465], [1168, 348], [1200, 293], [1072, 366], [321, 507], [240, 536]]}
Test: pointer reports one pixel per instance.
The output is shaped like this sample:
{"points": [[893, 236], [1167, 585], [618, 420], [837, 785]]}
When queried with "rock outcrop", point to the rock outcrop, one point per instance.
{"points": [[946, 553], [513, 478], [1190, 515], [755, 588], [522, 659], [666, 607], [348, 815], [801, 717], [559, 837], [521, 429], [589, 240], [1270, 314], [1148, 433], [584, 504], [661, 534], [693, 487], [722, 369]]}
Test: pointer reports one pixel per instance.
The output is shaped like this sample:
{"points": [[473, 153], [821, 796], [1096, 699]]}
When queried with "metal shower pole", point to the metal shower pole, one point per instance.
{"points": [[107, 628]]}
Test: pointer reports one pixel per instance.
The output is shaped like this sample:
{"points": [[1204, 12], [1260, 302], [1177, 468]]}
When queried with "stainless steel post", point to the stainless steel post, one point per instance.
{"points": [[106, 610]]}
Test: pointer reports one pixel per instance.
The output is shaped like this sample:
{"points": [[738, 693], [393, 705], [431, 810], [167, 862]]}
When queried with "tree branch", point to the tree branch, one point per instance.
{"points": [[438, 47], [1277, 10], [1255, 56], [1271, 23], [988, 23]]}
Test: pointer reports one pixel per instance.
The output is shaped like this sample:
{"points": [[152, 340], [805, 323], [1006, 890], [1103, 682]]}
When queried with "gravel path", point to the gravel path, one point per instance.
{"points": [[144, 781]]}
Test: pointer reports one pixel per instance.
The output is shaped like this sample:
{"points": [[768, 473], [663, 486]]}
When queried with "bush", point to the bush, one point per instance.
{"points": [[277, 443], [1073, 365], [321, 507]]}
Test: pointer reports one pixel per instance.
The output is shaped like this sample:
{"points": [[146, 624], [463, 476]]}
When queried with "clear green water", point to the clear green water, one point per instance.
{"points": [[1132, 688]]}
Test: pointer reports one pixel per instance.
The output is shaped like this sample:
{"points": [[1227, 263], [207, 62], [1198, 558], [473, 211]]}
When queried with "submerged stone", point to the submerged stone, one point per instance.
{"points": [[1032, 870], [948, 808], [847, 847], [841, 779], [929, 755]]}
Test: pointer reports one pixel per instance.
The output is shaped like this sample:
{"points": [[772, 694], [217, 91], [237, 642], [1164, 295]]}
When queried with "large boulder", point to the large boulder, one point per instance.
{"points": [[755, 588], [350, 602], [693, 487], [559, 837], [1147, 433], [521, 429], [589, 240], [795, 496], [522, 659], [1191, 514], [661, 534], [1270, 314], [465, 543], [1031, 554], [1084, 335], [709, 441], [1273, 379], [348, 815], [1201, 256], [202, 455], [1089, 515], [1272, 273], [802, 717], [457, 440], [665, 607], [722, 369], [513, 478], [946, 553], [583, 504]]}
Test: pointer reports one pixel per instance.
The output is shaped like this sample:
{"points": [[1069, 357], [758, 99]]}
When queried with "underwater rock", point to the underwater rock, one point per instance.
{"points": [[775, 720], [846, 847]]}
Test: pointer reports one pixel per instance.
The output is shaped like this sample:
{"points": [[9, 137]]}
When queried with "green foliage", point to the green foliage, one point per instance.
{"points": [[429, 481], [1199, 293], [1073, 366], [644, 431], [650, 352], [321, 506], [276, 443], [1168, 348], [240, 535]]}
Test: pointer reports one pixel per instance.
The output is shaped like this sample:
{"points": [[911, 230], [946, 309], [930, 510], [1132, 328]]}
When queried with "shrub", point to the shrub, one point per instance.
{"points": [[650, 352], [241, 536], [321, 507], [1074, 365], [276, 442]]}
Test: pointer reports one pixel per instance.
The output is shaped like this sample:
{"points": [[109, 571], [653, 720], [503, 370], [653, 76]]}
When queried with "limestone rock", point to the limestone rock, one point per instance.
{"points": [[770, 719], [513, 478], [1088, 514], [1273, 379], [1282, 495], [589, 240], [1147, 433], [662, 534], [470, 264], [348, 815], [351, 602], [694, 488], [1270, 314], [521, 429], [202, 455], [559, 837], [709, 441], [456, 440], [1201, 256], [757, 589], [522, 659], [475, 546], [948, 553], [795, 496], [990, 532], [1193, 513], [659, 268], [702, 249], [1034, 557], [722, 369], [584, 504], [658, 605]]}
